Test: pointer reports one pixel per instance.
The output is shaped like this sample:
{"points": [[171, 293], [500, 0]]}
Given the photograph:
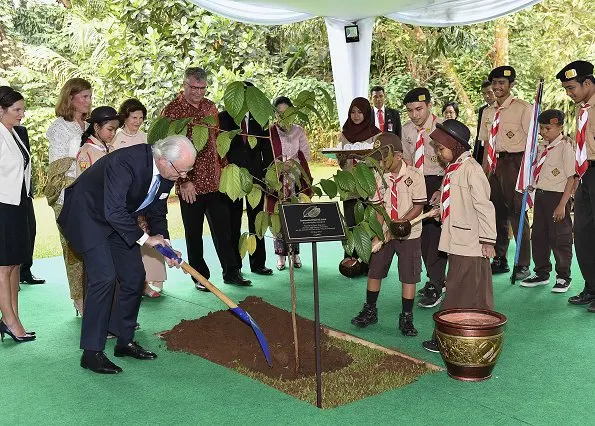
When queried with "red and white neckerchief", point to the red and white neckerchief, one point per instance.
{"points": [[394, 215], [581, 164], [492, 159], [542, 158], [418, 156], [450, 169]]}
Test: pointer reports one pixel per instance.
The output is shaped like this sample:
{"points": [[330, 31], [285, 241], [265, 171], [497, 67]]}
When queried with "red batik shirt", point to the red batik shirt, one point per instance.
{"points": [[207, 167]]}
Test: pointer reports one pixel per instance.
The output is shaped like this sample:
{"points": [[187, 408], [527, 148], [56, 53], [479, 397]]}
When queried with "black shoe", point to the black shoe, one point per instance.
{"points": [[263, 271], [431, 345], [134, 350], [591, 307], [201, 287], [561, 286], [99, 363], [406, 324], [535, 281], [422, 291], [368, 315], [431, 297], [583, 298], [500, 266], [521, 273], [32, 279], [236, 278]]}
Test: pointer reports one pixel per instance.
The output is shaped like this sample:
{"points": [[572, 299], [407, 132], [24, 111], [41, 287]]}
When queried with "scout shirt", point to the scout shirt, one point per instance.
{"points": [[558, 165], [590, 127], [411, 189], [515, 119], [432, 164], [89, 153], [472, 218]]}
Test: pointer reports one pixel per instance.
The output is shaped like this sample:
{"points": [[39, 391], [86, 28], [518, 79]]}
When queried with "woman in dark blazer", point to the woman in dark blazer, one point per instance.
{"points": [[15, 184]]}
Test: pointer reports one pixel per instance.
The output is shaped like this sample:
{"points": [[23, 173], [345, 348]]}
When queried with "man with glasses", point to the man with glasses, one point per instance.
{"points": [[198, 189]]}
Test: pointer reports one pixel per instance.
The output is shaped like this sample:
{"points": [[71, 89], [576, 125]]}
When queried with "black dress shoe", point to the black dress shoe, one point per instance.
{"points": [[99, 363], [236, 279], [521, 272], [263, 271], [32, 280], [583, 298], [134, 350], [500, 265], [591, 307]]}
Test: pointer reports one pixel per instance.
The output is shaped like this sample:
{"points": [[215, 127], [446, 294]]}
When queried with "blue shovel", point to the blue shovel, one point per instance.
{"points": [[242, 314]]}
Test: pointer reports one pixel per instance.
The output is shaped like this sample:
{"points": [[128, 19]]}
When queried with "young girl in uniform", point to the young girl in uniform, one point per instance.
{"points": [[103, 123], [468, 223]]}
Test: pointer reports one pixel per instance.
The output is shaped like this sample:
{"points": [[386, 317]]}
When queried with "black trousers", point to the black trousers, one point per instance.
{"points": [[236, 210], [111, 260], [216, 210], [434, 260], [32, 225], [584, 228]]}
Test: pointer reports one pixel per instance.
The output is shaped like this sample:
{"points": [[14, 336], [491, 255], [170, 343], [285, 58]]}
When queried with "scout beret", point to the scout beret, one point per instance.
{"points": [[103, 113], [575, 69], [419, 94], [451, 132], [551, 116], [504, 71], [385, 140]]}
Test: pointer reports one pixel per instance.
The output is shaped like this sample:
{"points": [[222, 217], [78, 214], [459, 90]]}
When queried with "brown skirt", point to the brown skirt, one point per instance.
{"points": [[468, 283]]}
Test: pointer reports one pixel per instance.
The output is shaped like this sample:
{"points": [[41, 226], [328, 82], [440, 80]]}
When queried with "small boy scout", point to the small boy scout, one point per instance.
{"points": [[553, 180], [419, 152], [91, 151], [402, 192], [504, 128], [468, 223], [578, 81]]}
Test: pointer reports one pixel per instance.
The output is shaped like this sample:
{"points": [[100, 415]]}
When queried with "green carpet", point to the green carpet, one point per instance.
{"points": [[544, 375]]}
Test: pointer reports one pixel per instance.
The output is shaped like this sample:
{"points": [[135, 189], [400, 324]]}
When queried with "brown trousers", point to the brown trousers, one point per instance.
{"points": [[434, 260], [548, 236], [507, 203], [469, 283]]}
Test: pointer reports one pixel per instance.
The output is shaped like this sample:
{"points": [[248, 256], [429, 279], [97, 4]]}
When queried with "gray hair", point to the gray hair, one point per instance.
{"points": [[171, 147], [198, 73]]}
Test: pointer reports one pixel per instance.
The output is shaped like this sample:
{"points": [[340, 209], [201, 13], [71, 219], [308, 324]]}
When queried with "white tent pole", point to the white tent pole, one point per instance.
{"points": [[350, 62]]}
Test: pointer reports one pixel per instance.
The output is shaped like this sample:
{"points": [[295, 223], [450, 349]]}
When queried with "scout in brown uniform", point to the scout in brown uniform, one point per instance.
{"points": [[504, 128], [104, 121], [553, 180], [419, 152], [468, 223], [579, 83], [402, 192]]}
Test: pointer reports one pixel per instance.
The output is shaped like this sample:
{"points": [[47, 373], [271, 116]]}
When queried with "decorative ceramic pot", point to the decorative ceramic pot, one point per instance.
{"points": [[470, 341]]}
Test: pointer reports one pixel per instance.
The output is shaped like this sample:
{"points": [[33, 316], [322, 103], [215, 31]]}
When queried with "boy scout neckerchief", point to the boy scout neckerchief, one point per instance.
{"points": [[581, 163], [394, 215], [450, 169], [418, 158], [542, 160], [492, 159]]}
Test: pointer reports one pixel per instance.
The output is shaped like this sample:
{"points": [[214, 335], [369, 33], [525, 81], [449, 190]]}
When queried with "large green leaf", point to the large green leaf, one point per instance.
{"points": [[254, 196], [345, 181], [246, 180], [231, 182], [375, 226], [233, 99], [158, 130], [223, 143], [251, 243], [243, 244], [271, 178], [362, 244], [209, 120], [200, 136], [318, 192], [259, 105], [348, 243], [329, 187], [252, 141], [261, 224], [365, 178], [178, 127], [358, 211], [361, 192], [275, 224]]}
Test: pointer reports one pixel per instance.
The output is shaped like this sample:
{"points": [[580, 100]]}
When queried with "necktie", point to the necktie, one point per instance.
{"points": [[394, 215], [419, 150], [492, 159], [244, 130], [445, 205], [581, 164], [151, 194], [380, 120]]}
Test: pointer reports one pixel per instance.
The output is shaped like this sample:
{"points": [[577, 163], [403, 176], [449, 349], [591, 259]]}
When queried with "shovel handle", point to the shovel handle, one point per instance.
{"points": [[421, 217]]}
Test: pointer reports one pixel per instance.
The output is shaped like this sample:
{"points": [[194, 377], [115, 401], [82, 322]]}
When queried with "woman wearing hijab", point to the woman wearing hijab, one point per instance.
{"points": [[359, 127]]}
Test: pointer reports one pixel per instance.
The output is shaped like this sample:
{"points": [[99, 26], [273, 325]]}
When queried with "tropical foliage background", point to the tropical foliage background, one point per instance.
{"points": [[139, 48]]}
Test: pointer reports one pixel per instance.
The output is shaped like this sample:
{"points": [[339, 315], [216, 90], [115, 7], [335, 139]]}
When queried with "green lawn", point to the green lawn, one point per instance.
{"points": [[47, 243]]}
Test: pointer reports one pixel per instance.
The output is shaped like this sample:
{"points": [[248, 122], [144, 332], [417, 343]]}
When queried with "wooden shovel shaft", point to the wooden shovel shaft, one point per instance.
{"points": [[421, 217], [197, 275]]}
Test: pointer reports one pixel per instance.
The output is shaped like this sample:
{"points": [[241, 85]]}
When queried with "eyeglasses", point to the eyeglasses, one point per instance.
{"points": [[196, 88], [180, 173]]}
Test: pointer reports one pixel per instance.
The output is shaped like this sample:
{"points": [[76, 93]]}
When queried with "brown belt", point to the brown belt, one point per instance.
{"points": [[504, 154]]}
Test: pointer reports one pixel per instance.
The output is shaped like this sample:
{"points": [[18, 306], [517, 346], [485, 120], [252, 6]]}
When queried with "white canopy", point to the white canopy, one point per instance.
{"points": [[351, 61]]}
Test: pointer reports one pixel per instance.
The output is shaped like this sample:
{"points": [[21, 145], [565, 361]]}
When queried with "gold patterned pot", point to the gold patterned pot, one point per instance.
{"points": [[470, 341]]}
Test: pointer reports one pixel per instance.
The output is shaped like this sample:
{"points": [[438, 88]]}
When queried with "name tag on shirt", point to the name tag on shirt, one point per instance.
{"points": [[164, 195]]}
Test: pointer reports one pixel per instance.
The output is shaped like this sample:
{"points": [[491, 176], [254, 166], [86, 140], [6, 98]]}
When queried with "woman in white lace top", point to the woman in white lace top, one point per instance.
{"points": [[64, 135]]}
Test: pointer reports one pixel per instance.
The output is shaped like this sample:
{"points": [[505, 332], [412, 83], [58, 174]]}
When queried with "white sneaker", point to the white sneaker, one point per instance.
{"points": [[534, 281], [561, 285]]}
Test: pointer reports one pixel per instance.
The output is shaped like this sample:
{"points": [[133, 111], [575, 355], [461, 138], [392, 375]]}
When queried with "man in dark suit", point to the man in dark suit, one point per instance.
{"points": [[489, 98], [386, 119], [99, 219], [256, 160], [26, 276]]}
